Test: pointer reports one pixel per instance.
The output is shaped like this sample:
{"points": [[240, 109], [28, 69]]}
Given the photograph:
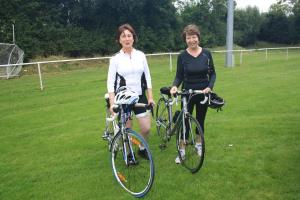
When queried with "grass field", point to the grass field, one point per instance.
{"points": [[50, 146]]}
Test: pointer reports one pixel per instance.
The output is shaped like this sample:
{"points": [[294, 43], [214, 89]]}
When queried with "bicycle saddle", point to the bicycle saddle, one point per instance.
{"points": [[165, 90]]}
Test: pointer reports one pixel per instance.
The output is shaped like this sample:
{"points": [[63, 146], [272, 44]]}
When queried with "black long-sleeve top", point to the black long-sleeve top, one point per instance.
{"points": [[196, 73]]}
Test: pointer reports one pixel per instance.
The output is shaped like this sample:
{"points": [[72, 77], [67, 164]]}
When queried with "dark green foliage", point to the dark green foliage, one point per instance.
{"points": [[275, 23], [88, 27], [246, 33], [282, 23], [210, 16]]}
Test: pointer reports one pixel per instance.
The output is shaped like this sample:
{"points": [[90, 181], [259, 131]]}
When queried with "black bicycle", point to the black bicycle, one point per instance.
{"points": [[189, 134], [134, 172]]}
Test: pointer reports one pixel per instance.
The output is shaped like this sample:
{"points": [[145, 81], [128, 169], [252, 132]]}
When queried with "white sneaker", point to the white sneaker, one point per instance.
{"points": [[198, 148], [177, 159]]}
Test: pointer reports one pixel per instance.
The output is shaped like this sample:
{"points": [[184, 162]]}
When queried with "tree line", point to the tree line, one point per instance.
{"points": [[88, 27]]}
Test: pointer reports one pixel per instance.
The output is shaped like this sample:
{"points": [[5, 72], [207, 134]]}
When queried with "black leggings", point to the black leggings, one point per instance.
{"points": [[200, 109]]}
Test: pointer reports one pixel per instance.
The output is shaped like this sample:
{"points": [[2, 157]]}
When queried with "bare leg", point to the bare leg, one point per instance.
{"points": [[129, 124], [145, 125]]}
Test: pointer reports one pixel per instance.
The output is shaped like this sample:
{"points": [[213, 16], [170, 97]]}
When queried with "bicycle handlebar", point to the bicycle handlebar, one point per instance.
{"points": [[136, 105], [143, 105], [190, 91]]}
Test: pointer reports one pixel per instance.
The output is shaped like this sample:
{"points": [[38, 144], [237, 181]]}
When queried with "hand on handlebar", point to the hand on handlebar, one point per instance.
{"points": [[206, 90], [151, 102], [173, 90], [113, 109]]}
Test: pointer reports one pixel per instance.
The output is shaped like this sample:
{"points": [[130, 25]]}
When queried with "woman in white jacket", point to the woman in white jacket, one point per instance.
{"points": [[129, 68]]}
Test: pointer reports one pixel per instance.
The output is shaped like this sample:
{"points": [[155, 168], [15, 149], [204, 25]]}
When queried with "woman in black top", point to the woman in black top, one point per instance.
{"points": [[195, 70]]}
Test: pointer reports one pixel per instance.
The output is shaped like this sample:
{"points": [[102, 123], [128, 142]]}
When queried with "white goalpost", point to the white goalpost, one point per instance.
{"points": [[10, 54]]}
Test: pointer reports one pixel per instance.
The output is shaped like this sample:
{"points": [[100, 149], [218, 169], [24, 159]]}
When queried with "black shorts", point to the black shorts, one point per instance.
{"points": [[141, 112]]}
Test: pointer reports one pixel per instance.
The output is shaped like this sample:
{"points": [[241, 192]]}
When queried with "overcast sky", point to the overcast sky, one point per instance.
{"points": [[263, 5]]}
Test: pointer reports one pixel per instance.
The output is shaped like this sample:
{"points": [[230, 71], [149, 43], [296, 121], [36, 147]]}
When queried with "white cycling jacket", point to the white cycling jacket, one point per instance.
{"points": [[130, 70]]}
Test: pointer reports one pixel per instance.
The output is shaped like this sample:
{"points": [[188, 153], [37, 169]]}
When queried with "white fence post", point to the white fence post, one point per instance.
{"points": [[241, 57], [287, 53], [266, 54], [40, 75], [170, 63]]}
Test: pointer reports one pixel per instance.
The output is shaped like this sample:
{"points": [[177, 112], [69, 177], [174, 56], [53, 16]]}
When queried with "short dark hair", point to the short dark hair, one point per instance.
{"points": [[190, 29], [124, 27]]}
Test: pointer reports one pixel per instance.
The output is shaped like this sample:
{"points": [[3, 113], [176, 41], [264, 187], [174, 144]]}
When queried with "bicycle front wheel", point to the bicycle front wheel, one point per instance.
{"points": [[134, 171], [191, 138], [162, 121]]}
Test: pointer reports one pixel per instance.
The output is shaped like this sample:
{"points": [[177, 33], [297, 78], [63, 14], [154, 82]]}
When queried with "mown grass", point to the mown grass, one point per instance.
{"points": [[51, 147]]}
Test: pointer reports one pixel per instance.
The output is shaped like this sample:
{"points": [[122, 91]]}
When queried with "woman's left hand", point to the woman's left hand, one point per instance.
{"points": [[207, 90]]}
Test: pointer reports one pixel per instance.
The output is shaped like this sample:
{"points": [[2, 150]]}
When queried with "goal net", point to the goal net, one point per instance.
{"points": [[10, 54]]}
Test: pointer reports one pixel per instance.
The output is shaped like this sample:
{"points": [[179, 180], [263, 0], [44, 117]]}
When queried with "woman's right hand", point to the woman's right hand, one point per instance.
{"points": [[111, 102], [173, 90]]}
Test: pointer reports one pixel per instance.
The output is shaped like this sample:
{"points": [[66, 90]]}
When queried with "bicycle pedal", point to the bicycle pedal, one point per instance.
{"points": [[162, 146], [105, 137], [132, 161]]}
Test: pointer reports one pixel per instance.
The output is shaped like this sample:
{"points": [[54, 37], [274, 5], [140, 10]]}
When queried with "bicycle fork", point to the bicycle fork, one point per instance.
{"points": [[128, 154]]}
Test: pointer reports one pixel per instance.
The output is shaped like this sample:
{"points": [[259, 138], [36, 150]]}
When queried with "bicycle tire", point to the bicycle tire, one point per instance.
{"points": [[137, 176], [162, 121], [191, 160]]}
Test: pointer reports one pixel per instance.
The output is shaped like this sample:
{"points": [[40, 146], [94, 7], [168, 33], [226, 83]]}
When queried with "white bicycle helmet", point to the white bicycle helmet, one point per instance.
{"points": [[126, 97]]}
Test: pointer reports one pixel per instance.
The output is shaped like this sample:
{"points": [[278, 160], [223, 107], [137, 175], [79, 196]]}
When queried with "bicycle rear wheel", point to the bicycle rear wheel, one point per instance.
{"points": [[137, 174], [162, 121], [194, 144]]}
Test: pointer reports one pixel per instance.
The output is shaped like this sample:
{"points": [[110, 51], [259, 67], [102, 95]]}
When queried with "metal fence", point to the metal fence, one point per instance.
{"points": [[240, 53]]}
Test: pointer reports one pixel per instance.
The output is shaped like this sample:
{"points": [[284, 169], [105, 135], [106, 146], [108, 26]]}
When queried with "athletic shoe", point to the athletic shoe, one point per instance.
{"points": [[198, 148], [177, 159], [143, 153]]}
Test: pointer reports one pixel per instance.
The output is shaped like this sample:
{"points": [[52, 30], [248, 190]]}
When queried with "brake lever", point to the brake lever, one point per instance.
{"points": [[204, 100]]}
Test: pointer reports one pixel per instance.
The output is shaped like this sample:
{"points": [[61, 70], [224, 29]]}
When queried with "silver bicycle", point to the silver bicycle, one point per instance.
{"points": [[133, 171], [189, 134]]}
